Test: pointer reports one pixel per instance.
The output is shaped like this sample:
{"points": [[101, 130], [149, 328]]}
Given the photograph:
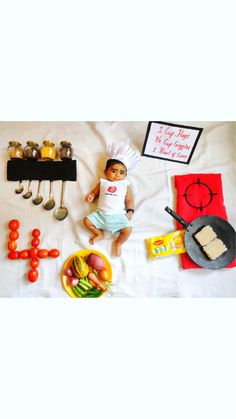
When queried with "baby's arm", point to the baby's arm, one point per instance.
{"points": [[93, 194], [129, 202]]}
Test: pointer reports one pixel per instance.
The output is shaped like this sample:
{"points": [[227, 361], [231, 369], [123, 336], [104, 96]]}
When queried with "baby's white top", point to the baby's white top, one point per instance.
{"points": [[112, 196]]}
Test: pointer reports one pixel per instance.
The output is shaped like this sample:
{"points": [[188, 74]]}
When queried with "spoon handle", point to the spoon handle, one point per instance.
{"points": [[29, 185], [50, 190], [39, 187], [62, 193]]}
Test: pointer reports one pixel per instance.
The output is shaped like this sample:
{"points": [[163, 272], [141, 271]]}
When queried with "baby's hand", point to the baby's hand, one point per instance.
{"points": [[90, 197]]}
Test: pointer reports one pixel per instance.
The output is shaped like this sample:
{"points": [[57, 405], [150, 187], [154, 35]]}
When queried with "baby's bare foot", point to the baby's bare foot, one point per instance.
{"points": [[116, 249], [96, 237]]}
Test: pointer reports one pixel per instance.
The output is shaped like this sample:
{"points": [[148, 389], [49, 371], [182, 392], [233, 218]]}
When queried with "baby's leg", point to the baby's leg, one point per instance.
{"points": [[123, 236], [97, 233]]}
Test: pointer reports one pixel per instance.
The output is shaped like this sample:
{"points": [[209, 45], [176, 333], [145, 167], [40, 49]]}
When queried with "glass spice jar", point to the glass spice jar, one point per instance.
{"points": [[15, 150], [48, 151], [66, 151], [31, 151]]}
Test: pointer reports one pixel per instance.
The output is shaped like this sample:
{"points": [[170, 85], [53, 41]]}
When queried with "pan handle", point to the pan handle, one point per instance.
{"points": [[177, 217]]}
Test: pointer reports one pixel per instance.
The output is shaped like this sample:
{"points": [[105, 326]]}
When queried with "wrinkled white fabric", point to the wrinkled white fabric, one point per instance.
{"points": [[134, 274]]}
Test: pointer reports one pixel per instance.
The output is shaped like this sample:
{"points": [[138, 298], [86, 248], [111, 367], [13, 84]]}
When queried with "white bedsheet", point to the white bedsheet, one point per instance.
{"points": [[134, 275]]}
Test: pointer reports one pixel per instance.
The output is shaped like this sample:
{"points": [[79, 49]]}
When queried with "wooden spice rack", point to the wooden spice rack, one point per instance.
{"points": [[41, 170]]}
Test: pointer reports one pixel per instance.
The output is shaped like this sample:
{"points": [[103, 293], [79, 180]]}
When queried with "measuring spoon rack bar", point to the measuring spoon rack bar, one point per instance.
{"points": [[41, 170]]}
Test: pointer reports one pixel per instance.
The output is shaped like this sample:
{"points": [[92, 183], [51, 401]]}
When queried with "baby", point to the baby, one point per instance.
{"points": [[115, 203]]}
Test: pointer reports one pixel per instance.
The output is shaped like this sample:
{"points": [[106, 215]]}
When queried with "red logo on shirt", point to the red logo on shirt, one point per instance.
{"points": [[112, 189]]}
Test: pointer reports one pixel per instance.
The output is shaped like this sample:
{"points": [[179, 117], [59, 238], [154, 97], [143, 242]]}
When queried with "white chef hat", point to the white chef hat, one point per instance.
{"points": [[124, 154]]}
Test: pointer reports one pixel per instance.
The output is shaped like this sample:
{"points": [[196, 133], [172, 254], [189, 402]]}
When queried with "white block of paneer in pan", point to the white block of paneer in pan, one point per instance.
{"points": [[214, 249], [205, 235]]}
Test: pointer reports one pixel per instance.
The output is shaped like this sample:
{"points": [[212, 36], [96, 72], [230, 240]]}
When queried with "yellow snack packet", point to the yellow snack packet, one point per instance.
{"points": [[170, 244]]}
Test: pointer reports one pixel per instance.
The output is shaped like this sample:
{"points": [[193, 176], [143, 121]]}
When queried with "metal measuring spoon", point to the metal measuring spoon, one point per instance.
{"points": [[61, 212], [50, 203], [38, 199], [28, 194], [20, 188]]}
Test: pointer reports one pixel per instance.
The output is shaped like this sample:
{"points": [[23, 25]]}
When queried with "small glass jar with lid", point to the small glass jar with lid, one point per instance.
{"points": [[31, 151], [48, 151], [15, 150], [65, 151]]}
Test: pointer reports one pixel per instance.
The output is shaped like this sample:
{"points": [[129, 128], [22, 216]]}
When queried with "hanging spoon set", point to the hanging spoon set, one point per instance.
{"points": [[32, 163]]}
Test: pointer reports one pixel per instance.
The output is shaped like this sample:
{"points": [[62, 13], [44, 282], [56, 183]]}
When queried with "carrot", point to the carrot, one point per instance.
{"points": [[95, 285], [92, 277], [101, 280], [92, 283]]}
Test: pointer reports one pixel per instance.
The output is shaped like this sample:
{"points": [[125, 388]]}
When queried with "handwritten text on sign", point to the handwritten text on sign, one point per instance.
{"points": [[171, 141]]}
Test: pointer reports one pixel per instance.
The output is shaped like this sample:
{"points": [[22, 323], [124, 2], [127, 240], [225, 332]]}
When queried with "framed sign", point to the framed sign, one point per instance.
{"points": [[172, 142]]}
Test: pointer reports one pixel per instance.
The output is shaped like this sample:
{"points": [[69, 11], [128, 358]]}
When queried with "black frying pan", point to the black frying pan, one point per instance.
{"points": [[223, 230]]}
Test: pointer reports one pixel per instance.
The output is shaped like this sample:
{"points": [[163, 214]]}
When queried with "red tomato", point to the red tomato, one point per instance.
{"points": [[13, 235], [104, 275], [14, 224], [35, 242], [24, 254], [42, 253], [33, 253], [36, 232], [33, 275], [13, 255], [54, 253], [12, 245], [34, 263]]}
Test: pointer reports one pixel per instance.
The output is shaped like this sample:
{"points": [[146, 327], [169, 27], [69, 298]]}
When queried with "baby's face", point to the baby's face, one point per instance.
{"points": [[115, 172]]}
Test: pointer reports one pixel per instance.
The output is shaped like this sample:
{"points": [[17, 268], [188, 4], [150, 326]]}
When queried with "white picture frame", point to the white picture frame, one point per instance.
{"points": [[171, 142]]}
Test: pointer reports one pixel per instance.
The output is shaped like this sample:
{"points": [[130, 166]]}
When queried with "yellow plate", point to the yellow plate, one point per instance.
{"points": [[83, 253]]}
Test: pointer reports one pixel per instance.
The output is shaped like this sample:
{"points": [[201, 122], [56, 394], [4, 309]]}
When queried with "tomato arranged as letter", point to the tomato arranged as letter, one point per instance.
{"points": [[33, 253], [14, 224], [24, 254], [33, 275], [12, 245], [54, 253], [13, 235], [42, 253], [36, 232], [34, 263], [35, 242], [13, 255]]}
